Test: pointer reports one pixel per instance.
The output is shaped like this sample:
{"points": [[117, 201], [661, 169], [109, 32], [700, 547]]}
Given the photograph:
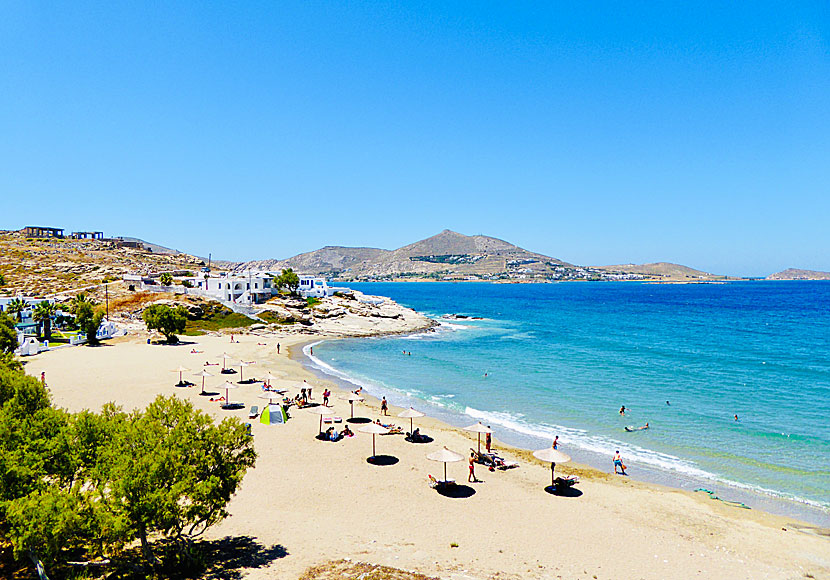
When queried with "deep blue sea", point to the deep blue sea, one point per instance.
{"points": [[561, 359]]}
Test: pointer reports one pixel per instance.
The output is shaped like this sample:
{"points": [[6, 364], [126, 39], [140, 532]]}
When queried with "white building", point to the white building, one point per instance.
{"points": [[249, 287]]}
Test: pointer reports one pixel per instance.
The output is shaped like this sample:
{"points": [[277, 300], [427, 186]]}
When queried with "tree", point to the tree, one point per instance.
{"points": [[79, 299], [176, 470], [166, 320], [166, 279], [15, 307], [2, 280], [8, 334], [89, 320], [289, 280], [43, 314]]}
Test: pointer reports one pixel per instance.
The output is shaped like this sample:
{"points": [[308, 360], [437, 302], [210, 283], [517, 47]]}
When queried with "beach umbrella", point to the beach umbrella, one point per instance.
{"points": [[270, 395], [272, 377], [410, 413], [552, 455], [374, 429], [203, 374], [180, 370], [478, 428], [352, 398], [242, 365], [225, 358], [444, 456], [228, 386], [322, 411]]}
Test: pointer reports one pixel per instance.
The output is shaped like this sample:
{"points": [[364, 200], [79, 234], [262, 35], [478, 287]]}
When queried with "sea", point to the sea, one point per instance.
{"points": [[534, 361]]}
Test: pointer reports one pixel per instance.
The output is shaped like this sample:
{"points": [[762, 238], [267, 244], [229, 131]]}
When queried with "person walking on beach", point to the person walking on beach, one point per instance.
{"points": [[472, 477], [326, 394], [43, 378], [384, 406], [618, 463], [488, 440], [278, 348]]}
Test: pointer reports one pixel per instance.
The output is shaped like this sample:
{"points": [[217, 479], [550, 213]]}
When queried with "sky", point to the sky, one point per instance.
{"points": [[597, 133]]}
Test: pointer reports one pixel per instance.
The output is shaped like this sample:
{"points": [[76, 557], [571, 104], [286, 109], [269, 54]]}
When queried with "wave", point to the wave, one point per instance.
{"points": [[632, 453]]}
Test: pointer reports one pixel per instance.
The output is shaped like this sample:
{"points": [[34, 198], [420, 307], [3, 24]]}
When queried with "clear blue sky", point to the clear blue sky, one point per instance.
{"points": [[597, 133]]}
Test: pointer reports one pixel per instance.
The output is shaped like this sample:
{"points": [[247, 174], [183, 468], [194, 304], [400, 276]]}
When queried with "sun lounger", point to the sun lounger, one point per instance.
{"points": [[493, 461], [565, 482], [328, 420], [254, 413], [436, 483], [337, 419]]}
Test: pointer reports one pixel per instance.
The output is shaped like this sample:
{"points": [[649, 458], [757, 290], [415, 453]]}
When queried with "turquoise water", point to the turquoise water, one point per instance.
{"points": [[561, 359]]}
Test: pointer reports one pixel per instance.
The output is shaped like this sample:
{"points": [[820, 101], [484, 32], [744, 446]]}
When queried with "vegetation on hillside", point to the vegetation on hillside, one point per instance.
{"points": [[166, 320]]}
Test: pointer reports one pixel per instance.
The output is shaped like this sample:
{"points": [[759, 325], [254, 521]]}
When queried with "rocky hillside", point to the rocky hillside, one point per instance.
{"points": [[797, 274], [447, 254], [44, 266]]}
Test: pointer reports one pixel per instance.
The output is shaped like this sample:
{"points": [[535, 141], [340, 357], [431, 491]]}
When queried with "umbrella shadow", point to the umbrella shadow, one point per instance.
{"points": [[228, 371], [208, 394], [421, 439], [382, 460], [358, 420], [563, 492], [232, 406], [248, 382], [184, 384], [229, 557], [456, 491]]}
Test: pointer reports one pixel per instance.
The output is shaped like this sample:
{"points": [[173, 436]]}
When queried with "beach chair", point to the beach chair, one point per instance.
{"points": [[337, 419], [328, 420], [562, 483], [254, 413]]}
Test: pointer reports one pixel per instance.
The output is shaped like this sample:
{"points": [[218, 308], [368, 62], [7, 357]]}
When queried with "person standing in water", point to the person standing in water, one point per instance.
{"points": [[555, 442], [622, 410]]}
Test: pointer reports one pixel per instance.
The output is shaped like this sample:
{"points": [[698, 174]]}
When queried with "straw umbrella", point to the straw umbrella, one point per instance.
{"points": [[228, 386], [410, 413], [444, 456], [554, 456], [374, 429], [322, 411], [270, 395], [478, 428], [225, 358], [352, 398], [271, 377], [203, 374], [242, 365], [180, 370]]}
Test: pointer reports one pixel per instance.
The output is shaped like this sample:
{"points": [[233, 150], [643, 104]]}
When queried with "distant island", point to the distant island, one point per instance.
{"points": [[798, 274]]}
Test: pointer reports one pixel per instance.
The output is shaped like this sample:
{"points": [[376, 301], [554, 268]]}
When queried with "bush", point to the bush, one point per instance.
{"points": [[89, 320]]}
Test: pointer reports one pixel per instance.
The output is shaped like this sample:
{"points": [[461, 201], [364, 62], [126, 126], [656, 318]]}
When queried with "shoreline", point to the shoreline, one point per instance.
{"points": [[760, 500], [336, 505]]}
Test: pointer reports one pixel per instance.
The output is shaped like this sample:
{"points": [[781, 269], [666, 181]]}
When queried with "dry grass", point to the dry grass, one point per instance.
{"points": [[345, 570], [137, 300]]}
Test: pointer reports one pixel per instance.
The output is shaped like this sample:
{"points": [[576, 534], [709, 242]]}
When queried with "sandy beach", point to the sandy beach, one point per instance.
{"points": [[308, 502]]}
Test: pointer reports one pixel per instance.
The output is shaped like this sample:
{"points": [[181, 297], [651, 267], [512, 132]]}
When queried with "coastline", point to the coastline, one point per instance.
{"points": [[339, 506], [587, 461]]}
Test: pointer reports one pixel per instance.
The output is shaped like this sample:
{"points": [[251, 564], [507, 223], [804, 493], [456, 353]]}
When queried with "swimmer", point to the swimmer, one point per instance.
{"points": [[667, 403], [736, 418], [622, 410]]}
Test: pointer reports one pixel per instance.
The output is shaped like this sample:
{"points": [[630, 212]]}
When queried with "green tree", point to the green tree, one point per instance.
{"points": [[43, 314], [166, 320], [8, 334], [2, 280], [176, 471], [15, 307], [288, 280], [166, 279], [77, 300], [89, 320]]}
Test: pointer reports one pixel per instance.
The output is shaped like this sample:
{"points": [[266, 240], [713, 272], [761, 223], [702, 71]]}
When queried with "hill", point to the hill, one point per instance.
{"points": [[665, 270], [798, 274], [44, 266], [447, 254]]}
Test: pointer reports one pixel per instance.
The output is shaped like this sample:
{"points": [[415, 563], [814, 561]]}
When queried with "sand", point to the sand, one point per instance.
{"points": [[307, 501]]}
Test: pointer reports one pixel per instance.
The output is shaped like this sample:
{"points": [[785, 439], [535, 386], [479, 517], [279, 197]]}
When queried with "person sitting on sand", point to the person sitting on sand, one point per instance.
{"points": [[334, 434], [347, 432]]}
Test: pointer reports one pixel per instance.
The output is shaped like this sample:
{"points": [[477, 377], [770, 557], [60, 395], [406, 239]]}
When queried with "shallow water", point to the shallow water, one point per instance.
{"points": [[560, 359]]}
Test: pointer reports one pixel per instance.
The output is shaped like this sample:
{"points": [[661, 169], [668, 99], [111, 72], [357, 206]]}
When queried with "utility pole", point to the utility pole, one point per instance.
{"points": [[107, 294]]}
